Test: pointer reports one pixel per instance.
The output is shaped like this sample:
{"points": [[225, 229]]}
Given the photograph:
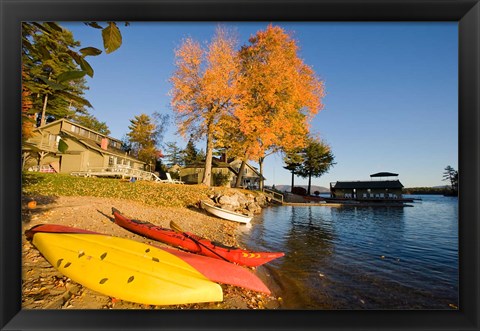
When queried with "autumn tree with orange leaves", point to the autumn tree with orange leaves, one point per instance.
{"points": [[251, 102], [27, 105], [205, 89], [278, 96]]}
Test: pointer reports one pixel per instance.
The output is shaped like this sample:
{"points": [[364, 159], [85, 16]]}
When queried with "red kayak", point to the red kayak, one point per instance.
{"points": [[214, 269], [195, 244]]}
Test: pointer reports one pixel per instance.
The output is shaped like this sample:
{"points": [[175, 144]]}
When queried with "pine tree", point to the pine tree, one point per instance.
{"points": [[145, 135], [173, 154], [451, 175], [190, 153], [293, 160], [317, 160]]}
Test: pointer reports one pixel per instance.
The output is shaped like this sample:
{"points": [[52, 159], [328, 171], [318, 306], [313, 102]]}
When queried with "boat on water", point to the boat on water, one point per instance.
{"points": [[193, 243], [225, 214]]}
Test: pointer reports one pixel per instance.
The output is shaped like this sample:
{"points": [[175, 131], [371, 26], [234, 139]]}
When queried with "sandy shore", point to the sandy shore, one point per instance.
{"points": [[43, 287]]}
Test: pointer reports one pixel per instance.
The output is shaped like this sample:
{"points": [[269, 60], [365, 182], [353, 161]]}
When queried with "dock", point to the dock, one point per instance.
{"points": [[291, 199]]}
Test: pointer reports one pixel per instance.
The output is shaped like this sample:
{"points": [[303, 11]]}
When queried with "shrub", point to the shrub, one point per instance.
{"points": [[220, 179]]}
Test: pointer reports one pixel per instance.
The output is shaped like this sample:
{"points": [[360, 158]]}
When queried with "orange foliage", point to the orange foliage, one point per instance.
{"points": [[260, 98], [280, 94], [204, 83], [204, 88], [27, 105]]}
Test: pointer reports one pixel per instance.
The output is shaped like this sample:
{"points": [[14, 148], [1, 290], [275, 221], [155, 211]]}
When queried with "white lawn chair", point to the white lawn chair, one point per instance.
{"points": [[173, 181]]}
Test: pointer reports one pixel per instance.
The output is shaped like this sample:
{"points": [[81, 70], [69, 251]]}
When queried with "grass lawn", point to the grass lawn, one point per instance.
{"points": [[151, 193]]}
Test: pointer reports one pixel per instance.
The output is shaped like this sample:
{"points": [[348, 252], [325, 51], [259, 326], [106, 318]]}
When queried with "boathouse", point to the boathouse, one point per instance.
{"points": [[367, 190]]}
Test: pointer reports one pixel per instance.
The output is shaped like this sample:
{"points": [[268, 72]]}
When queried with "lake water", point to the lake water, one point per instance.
{"points": [[361, 257]]}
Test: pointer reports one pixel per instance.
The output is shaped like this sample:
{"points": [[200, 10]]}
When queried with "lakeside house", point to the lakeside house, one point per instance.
{"points": [[65, 147], [367, 190], [222, 169]]}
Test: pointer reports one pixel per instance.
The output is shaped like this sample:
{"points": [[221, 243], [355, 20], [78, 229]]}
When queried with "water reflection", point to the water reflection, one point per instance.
{"points": [[361, 258]]}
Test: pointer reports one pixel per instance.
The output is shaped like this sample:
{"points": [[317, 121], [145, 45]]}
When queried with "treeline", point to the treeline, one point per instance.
{"points": [[426, 190]]}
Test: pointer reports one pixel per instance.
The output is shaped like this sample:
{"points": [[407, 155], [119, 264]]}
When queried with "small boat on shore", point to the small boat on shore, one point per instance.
{"points": [[225, 214], [195, 244]]}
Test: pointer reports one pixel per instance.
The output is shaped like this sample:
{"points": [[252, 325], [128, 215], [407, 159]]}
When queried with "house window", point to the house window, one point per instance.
{"points": [[75, 129], [111, 161], [53, 140]]}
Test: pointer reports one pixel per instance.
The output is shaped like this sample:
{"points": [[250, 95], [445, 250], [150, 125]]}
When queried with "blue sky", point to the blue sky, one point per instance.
{"points": [[391, 99]]}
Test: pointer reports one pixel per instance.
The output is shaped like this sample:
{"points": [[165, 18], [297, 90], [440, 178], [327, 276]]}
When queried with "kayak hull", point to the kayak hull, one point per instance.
{"points": [[168, 236], [126, 269], [215, 270]]}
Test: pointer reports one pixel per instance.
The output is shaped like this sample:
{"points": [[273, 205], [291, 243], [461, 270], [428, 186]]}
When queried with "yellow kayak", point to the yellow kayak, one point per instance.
{"points": [[126, 269]]}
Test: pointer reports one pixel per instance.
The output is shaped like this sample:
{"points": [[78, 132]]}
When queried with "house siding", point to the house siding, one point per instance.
{"points": [[193, 174], [83, 150], [70, 162]]}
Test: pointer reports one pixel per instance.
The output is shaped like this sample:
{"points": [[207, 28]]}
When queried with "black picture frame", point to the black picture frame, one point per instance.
{"points": [[465, 12]]}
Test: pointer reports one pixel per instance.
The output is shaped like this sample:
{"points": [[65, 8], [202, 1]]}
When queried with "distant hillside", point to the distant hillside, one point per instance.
{"points": [[287, 188]]}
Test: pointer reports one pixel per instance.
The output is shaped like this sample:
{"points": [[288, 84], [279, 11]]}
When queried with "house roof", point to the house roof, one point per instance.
{"points": [[76, 124], [384, 174], [220, 164], [90, 143], [384, 184]]}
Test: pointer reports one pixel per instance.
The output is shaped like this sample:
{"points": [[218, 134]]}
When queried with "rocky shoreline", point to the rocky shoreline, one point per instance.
{"points": [[236, 201], [43, 287]]}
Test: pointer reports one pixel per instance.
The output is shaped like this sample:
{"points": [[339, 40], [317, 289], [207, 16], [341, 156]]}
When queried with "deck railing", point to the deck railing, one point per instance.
{"points": [[273, 195], [116, 172]]}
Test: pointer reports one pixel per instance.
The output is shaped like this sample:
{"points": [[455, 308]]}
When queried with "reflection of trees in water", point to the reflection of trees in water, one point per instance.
{"points": [[307, 239], [308, 242]]}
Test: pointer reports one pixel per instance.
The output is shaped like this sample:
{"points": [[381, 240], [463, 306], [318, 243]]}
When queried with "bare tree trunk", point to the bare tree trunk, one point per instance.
{"points": [[293, 181], [207, 174], [309, 183], [44, 109], [240, 174], [260, 166]]}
